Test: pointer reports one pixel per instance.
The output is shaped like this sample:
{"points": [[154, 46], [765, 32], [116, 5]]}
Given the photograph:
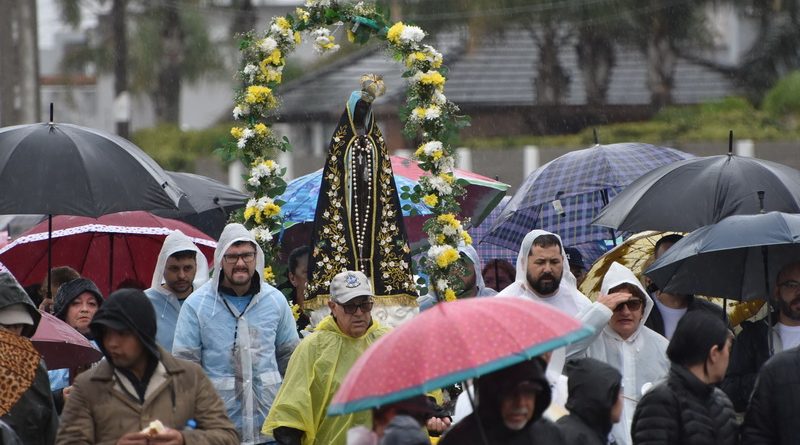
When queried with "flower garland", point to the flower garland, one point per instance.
{"points": [[428, 116]]}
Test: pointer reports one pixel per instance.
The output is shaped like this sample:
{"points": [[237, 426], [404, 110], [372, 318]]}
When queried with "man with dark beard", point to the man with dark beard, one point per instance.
{"points": [[542, 277], [751, 349]]}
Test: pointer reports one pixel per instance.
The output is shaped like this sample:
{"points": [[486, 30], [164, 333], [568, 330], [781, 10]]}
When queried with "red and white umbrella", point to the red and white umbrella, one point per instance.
{"points": [[108, 250]]}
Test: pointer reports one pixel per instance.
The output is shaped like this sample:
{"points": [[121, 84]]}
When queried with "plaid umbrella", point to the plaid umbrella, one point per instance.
{"points": [[489, 251], [564, 195]]}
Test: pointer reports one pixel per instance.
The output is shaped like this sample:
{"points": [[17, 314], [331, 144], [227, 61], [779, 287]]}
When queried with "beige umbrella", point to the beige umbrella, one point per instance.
{"points": [[636, 253]]}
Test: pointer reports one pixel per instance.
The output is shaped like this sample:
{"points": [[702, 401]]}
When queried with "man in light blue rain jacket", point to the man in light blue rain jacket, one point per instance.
{"points": [[241, 330], [181, 268]]}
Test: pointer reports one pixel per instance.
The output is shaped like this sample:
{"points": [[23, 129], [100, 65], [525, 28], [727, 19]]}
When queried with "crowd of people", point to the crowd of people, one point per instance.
{"points": [[220, 358]]}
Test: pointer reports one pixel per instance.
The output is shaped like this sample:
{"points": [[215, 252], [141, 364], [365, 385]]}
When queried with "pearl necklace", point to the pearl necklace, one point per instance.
{"points": [[361, 157]]}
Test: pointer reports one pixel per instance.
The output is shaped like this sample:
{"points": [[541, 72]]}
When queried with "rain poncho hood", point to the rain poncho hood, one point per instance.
{"points": [[317, 368], [567, 298], [244, 353], [641, 358], [165, 303], [593, 390], [11, 293]]}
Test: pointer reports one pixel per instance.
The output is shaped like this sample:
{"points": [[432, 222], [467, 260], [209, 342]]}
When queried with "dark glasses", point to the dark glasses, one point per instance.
{"points": [[351, 308], [633, 304]]}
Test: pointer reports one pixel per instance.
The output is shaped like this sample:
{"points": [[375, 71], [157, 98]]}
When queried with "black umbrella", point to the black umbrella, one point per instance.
{"points": [[738, 257], [64, 169], [207, 203], [692, 193]]}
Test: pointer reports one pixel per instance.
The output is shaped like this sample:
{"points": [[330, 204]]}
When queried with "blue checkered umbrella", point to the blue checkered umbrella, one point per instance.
{"points": [[488, 251], [564, 195]]}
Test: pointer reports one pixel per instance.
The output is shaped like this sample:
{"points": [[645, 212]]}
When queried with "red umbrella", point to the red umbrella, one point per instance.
{"points": [[450, 343], [108, 250], [61, 345]]}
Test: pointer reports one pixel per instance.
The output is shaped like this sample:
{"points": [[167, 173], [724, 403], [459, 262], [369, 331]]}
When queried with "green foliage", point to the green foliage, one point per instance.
{"points": [[174, 149], [697, 123], [784, 98]]}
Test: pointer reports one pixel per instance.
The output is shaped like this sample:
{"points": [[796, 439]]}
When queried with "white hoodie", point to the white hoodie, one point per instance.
{"points": [[641, 358], [165, 303]]}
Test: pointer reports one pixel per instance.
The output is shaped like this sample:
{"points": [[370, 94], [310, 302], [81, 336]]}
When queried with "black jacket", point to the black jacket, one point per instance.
{"points": [[750, 351], [772, 417], [656, 322], [34, 416], [684, 411], [593, 389], [490, 390]]}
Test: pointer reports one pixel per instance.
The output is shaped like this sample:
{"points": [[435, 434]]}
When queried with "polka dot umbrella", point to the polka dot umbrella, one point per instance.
{"points": [[451, 343]]}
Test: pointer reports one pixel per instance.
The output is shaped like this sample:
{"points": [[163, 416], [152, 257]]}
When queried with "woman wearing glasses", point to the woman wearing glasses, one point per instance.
{"points": [[637, 352]]}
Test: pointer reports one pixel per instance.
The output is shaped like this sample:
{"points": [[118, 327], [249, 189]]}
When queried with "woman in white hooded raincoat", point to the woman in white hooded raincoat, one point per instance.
{"points": [[641, 358], [244, 353], [165, 303]]}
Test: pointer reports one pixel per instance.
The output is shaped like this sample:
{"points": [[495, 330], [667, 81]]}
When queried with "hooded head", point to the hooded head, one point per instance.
{"points": [[616, 277], [567, 279], [70, 290], [594, 388], [16, 307], [495, 391], [469, 252], [127, 310], [176, 242], [234, 233]]}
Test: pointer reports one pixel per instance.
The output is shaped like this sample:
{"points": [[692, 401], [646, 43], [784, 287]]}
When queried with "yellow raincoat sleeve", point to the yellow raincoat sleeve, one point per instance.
{"points": [[316, 369]]}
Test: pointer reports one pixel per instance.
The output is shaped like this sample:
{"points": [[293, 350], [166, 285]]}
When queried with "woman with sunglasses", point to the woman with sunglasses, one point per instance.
{"points": [[636, 351]]}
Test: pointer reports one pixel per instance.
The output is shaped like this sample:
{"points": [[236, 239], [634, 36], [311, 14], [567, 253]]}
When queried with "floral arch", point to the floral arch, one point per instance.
{"points": [[427, 115]]}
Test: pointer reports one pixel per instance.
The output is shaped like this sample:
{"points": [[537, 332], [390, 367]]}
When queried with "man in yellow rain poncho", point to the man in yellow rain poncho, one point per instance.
{"points": [[320, 364]]}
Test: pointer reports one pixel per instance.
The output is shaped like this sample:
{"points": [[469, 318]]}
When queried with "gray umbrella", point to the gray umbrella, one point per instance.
{"points": [[737, 258], [207, 203], [692, 193]]}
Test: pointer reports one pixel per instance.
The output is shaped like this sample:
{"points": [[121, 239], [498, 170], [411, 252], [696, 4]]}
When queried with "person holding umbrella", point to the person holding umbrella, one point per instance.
{"points": [[33, 417], [751, 348], [509, 409], [688, 408]]}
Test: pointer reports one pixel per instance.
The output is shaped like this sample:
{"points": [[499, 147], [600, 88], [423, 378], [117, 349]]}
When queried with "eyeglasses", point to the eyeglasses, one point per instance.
{"points": [[791, 285], [351, 308], [233, 258], [633, 305]]}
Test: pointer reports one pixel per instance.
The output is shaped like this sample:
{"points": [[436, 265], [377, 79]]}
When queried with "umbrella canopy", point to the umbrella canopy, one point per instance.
{"points": [[450, 343], [564, 195], [64, 169], [482, 195], [728, 259], [692, 193], [18, 363], [488, 251], [61, 345], [107, 250], [207, 203]]}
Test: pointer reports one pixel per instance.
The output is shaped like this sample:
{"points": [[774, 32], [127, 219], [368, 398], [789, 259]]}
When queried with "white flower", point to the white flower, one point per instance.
{"points": [[254, 181], [431, 147], [323, 41], [446, 163], [251, 202], [250, 71], [438, 98], [440, 185], [442, 285], [239, 111], [248, 133], [433, 112], [411, 34], [268, 45], [242, 142], [261, 234]]}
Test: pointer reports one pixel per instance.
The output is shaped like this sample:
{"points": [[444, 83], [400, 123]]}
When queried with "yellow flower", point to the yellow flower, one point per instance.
{"points": [[237, 132], [269, 276], [447, 257], [274, 58], [351, 36], [437, 155], [282, 23], [420, 151], [447, 177], [250, 212], [297, 38], [302, 14], [466, 237], [419, 113], [440, 238], [271, 210], [449, 295], [393, 35], [416, 56], [430, 200], [261, 129], [270, 164], [296, 311], [270, 74], [259, 94], [433, 78], [447, 218], [259, 217]]}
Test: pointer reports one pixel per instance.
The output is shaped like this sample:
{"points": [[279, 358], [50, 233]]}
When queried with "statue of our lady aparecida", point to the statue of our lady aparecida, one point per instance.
{"points": [[358, 223]]}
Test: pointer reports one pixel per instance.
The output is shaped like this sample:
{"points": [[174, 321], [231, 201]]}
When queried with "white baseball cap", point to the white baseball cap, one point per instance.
{"points": [[348, 285]]}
